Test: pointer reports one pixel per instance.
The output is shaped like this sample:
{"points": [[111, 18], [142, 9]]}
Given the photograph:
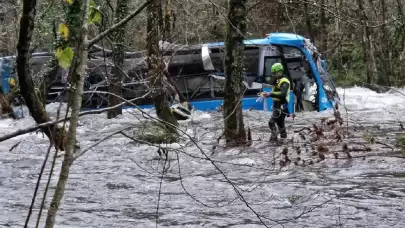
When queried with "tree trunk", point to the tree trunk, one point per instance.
{"points": [[324, 31], [308, 23], [118, 58], [5, 108], [77, 74], [279, 15], [386, 49], [337, 24], [33, 102], [169, 21], [155, 69], [398, 46], [234, 64], [371, 55], [382, 52], [369, 58]]}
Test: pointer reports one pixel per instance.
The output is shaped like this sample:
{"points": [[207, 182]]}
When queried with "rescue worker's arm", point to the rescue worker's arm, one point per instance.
{"points": [[283, 91]]}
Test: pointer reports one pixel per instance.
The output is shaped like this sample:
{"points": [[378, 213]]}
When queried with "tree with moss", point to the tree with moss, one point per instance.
{"points": [[76, 76], [156, 67], [118, 60], [234, 64]]}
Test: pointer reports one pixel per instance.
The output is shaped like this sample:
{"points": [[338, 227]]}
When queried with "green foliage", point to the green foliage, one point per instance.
{"points": [[64, 31], [64, 57], [68, 31], [346, 64], [350, 78], [95, 14]]}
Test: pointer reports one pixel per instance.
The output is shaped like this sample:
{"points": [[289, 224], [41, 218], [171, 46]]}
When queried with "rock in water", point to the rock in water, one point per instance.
{"points": [[154, 132]]}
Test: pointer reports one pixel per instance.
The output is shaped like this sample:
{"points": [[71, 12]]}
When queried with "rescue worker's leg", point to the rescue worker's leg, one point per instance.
{"points": [[281, 126], [272, 123], [281, 122]]}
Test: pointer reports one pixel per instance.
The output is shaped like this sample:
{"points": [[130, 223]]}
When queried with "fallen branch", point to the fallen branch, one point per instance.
{"points": [[384, 144], [373, 155]]}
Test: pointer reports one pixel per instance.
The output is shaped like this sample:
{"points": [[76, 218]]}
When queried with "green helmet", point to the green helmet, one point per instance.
{"points": [[277, 67]]}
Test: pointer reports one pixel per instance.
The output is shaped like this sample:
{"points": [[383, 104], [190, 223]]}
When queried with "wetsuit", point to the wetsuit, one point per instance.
{"points": [[281, 96]]}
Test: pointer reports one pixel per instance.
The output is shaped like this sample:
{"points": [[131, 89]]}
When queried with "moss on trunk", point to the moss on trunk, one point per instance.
{"points": [[155, 69], [234, 64], [118, 59]]}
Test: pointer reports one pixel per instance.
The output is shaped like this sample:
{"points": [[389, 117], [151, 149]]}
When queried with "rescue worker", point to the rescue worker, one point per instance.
{"points": [[281, 96]]}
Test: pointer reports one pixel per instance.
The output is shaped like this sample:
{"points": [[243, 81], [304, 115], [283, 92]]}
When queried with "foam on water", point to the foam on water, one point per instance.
{"points": [[358, 98], [107, 189]]}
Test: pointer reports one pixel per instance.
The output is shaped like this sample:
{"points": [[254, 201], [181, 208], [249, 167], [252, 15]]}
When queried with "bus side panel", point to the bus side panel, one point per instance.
{"points": [[268, 102], [5, 75], [291, 103]]}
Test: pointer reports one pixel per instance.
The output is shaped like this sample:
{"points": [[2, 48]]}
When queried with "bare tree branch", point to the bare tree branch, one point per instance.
{"points": [[49, 123], [115, 26]]}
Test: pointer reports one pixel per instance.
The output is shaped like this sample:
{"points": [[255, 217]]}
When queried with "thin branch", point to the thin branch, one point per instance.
{"points": [[159, 193], [121, 23], [37, 185], [60, 139], [99, 141], [50, 123]]}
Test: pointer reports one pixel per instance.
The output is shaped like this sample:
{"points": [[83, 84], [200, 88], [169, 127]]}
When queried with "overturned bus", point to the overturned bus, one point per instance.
{"points": [[201, 78], [197, 72]]}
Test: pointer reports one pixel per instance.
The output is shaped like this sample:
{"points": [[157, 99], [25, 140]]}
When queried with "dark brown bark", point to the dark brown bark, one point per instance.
{"points": [[5, 107], [169, 21], [386, 49], [155, 69], [279, 16], [401, 51], [382, 52], [234, 63], [34, 104], [308, 23], [118, 58], [324, 31], [368, 46]]}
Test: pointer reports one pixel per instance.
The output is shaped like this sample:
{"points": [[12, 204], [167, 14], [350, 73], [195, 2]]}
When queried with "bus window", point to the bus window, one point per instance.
{"points": [[252, 57], [268, 62], [292, 52]]}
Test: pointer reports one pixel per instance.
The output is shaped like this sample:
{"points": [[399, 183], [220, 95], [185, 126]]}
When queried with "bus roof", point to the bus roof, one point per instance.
{"points": [[290, 39]]}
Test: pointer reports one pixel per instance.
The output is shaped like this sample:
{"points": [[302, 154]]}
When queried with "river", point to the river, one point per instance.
{"points": [[117, 183]]}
